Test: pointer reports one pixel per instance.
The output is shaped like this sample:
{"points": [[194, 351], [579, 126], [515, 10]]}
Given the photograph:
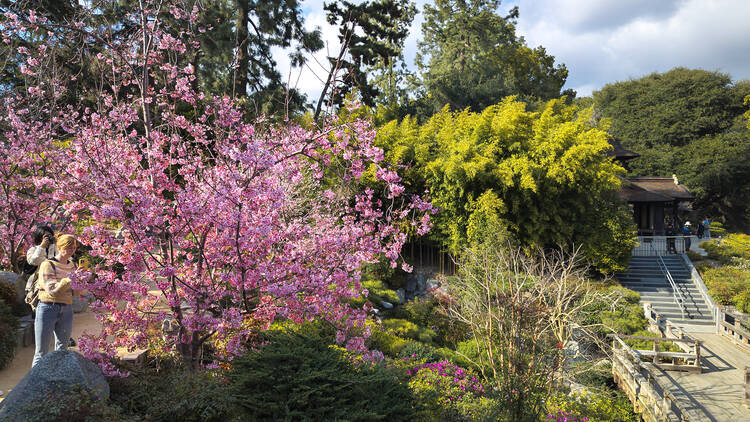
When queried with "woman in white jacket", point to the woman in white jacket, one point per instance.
{"points": [[44, 248]]}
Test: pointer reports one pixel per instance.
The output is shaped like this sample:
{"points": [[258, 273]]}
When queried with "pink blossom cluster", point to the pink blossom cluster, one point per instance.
{"points": [[28, 122], [220, 223]]}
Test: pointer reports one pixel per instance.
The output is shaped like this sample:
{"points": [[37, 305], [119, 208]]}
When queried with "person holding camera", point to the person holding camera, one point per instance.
{"points": [[44, 239], [55, 311], [44, 248]]}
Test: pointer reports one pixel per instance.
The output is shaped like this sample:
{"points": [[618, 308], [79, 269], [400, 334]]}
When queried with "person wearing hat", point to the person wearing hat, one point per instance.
{"points": [[687, 233]]}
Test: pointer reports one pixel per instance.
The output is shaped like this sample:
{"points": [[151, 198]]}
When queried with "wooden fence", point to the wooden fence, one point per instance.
{"points": [[734, 325], [650, 400], [426, 255], [669, 361]]}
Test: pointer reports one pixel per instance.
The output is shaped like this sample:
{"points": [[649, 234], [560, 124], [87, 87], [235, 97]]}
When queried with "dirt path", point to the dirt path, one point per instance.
{"points": [[21, 364]]}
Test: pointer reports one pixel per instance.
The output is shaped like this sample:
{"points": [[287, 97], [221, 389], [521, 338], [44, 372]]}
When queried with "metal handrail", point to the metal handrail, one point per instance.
{"points": [[675, 291]]}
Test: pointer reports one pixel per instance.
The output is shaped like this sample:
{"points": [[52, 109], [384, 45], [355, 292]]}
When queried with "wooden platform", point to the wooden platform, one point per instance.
{"points": [[716, 394]]}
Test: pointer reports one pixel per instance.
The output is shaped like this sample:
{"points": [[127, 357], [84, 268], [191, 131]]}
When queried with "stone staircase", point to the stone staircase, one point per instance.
{"points": [[645, 277]]}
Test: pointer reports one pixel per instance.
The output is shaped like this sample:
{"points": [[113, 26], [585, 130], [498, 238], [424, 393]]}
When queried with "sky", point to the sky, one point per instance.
{"points": [[599, 41]]}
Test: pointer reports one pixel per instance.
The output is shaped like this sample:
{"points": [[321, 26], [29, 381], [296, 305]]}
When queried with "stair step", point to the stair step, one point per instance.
{"points": [[660, 290], [678, 315], [708, 323]]}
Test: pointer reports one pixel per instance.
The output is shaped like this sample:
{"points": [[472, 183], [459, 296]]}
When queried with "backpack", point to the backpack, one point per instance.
{"points": [[28, 269], [32, 287]]}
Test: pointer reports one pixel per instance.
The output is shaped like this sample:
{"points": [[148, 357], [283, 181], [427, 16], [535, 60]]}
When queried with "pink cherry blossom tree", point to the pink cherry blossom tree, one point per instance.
{"points": [[197, 215], [27, 128]]}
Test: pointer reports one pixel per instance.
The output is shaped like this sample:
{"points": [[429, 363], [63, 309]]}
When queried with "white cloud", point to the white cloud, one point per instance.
{"points": [[607, 41]]}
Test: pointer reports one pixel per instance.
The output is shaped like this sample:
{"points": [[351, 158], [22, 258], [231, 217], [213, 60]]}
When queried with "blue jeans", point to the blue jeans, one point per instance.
{"points": [[52, 318]]}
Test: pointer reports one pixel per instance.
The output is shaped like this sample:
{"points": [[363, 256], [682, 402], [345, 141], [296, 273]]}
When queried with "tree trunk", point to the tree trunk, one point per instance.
{"points": [[243, 61]]}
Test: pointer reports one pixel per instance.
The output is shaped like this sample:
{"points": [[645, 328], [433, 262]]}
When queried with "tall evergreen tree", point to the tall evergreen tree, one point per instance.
{"points": [[470, 56], [371, 33]]}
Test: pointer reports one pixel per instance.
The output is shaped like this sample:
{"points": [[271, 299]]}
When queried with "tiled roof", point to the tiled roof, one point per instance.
{"points": [[619, 152], [654, 189]]}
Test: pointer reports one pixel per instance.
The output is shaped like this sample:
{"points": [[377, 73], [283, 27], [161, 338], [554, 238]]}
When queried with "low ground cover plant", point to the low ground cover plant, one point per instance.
{"points": [[301, 377]]}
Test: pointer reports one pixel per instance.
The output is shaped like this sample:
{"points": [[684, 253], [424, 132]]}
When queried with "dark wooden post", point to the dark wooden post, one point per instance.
{"points": [[698, 353]]}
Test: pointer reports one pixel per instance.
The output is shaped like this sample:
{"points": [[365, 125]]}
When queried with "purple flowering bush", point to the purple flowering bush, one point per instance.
{"points": [[445, 391], [563, 416]]}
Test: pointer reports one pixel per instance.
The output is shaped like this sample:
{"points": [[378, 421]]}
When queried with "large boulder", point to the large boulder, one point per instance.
{"points": [[54, 374], [8, 277]]}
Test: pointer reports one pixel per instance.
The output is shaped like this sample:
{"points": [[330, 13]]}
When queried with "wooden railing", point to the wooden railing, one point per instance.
{"points": [[675, 361], [648, 398], [665, 245], [658, 324], [734, 325], [697, 280]]}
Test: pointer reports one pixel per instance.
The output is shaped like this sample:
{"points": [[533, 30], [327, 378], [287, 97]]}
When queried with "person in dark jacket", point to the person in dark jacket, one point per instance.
{"points": [[669, 232], [687, 233]]}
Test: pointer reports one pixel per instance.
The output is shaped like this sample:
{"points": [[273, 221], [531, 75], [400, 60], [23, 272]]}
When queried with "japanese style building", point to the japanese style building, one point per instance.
{"points": [[656, 201]]}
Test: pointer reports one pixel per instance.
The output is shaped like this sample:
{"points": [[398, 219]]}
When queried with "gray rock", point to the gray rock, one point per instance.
{"points": [[387, 305], [7, 277], [421, 283], [432, 284], [401, 293], [411, 284], [57, 372]]}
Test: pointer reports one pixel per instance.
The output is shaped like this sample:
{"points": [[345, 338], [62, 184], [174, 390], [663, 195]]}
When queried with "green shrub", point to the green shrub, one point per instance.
{"points": [[694, 256], [735, 245], [596, 407], [175, 395], [401, 328], [648, 345], [9, 296], [626, 317], [428, 314], [453, 357], [409, 330], [299, 377], [378, 292], [388, 343], [419, 351], [593, 374], [73, 404], [717, 229], [729, 286], [8, 341]]}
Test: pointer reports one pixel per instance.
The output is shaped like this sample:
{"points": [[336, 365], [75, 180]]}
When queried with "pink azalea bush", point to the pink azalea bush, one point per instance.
{"points": [[447, 391], [194, 213], [563, 416]]}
